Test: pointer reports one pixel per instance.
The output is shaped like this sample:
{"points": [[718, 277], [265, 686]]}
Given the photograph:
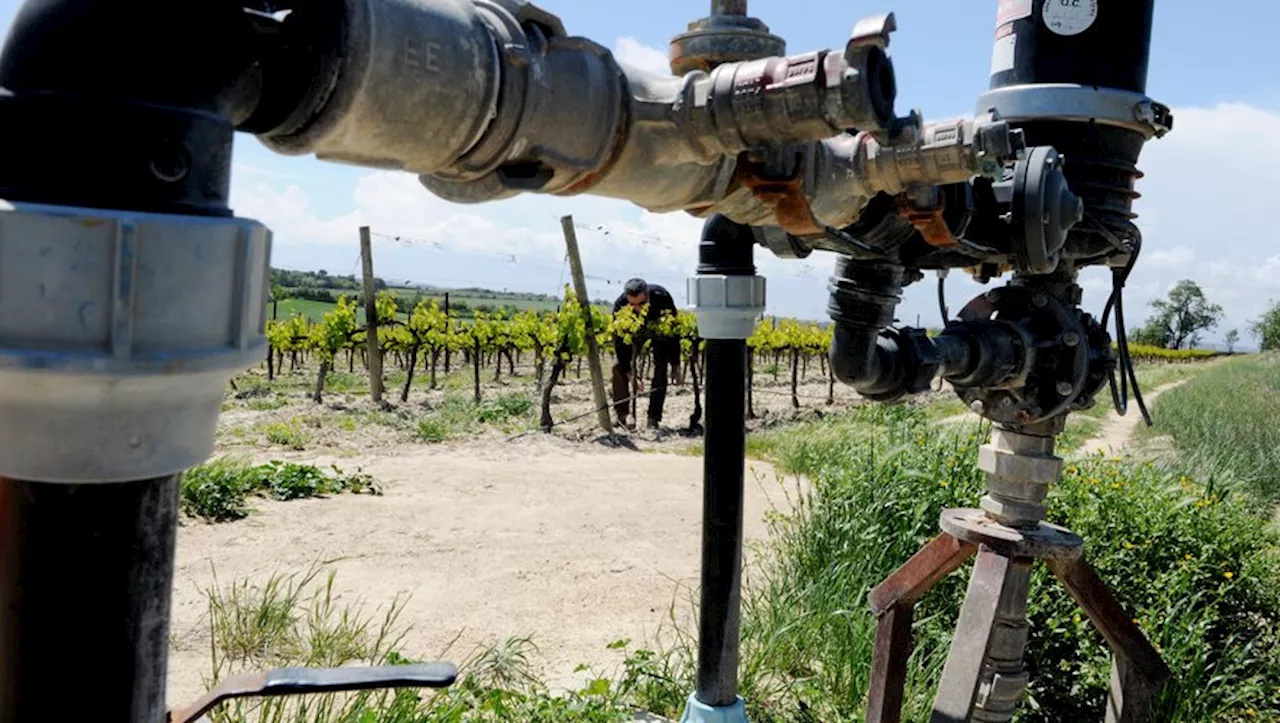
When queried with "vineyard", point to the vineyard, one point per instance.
{"points": [[426, 340]]}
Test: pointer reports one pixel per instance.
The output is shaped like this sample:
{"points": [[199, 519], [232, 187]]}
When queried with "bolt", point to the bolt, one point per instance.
{"points": [[1071, 339], [1065, 388], [1039, 301], [978, 407]]}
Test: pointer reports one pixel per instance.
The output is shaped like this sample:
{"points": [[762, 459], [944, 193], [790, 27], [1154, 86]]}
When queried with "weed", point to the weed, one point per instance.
{"points": [[288, 434], [219, 490], [267, 405], [432, 429], [295, 620], [504, 408]]}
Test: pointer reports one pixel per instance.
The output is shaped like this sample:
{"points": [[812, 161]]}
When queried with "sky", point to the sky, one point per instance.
{"points": [[1206, 209]]}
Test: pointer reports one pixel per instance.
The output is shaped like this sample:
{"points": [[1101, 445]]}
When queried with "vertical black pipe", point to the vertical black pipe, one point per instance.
{"points": [[723, 471], [726, 248], [86, 573]]}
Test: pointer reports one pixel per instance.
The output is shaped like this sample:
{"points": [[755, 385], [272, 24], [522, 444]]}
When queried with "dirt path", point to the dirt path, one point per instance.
{"points": [[1117, 431], [576, 545]]}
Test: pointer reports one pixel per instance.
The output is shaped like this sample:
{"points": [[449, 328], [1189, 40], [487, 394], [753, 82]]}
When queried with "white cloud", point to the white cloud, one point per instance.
{"points": [[1206, 214], [630, 51]]}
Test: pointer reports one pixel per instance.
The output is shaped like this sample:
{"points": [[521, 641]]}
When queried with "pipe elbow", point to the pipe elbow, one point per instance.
{"points": [[134, 52], [853, 356]]}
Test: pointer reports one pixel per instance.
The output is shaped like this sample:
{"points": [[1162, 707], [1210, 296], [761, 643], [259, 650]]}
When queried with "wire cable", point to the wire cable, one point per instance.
{"points": [[1124, 360]]}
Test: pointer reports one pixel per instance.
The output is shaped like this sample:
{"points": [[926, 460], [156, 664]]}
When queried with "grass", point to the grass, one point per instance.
{"points": [[288, 433], [1222, 423], [219, 491], [297, 619], [1193, 564], [459, 416]]}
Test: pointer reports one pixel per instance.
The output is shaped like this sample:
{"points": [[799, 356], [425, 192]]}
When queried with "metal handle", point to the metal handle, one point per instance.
{"points": [[298, 681]]}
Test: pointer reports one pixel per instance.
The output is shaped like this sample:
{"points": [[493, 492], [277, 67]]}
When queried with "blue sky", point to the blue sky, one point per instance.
{"points": [[1206, 210]]}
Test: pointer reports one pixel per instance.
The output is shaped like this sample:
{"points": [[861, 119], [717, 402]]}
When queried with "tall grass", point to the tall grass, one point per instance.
{"points": [[1224, 424], [296, 619], [1195, 567]]}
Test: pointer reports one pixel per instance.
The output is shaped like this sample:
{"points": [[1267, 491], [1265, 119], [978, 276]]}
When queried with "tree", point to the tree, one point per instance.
{"points": [[1267, 328], [1232, 338], [1179, 319]]}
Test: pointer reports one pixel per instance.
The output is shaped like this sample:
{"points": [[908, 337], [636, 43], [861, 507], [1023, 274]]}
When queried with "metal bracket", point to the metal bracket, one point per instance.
{"points": [[299, 681]]}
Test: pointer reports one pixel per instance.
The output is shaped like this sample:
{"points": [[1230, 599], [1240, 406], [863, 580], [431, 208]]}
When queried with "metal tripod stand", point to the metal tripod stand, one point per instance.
{"points": [[985, 676]]}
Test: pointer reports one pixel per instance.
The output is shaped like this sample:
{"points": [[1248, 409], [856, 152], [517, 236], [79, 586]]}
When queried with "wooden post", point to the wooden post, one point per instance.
{"points": [[447, 318], [593, 349], [371, 315]]}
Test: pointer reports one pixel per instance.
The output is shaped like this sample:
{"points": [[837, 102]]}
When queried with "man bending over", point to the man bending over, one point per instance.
{"points": [[666, 352]]}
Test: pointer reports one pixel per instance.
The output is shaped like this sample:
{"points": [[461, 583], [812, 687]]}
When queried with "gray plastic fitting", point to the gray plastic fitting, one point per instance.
{"points": [[118, 334], [726, 306]]}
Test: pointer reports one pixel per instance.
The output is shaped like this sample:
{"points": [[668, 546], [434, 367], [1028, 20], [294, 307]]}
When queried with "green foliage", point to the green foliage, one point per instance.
{"points": [[1221, 423], [459, 416], [336, 331], [1199, 570], [1145, 353], [1267, 328], [1178, 320], [1232, 338], [288, 434], [218, 491]]}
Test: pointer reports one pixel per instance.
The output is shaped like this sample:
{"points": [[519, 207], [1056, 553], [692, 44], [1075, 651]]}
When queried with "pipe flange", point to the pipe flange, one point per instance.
{"points": [[118, 334], [1087, 104], [1044, 541], [726, 306], [1053, 377], [728, 35]]}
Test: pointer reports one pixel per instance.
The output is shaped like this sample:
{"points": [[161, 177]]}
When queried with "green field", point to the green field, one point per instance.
{"points": [[1224, 423]]}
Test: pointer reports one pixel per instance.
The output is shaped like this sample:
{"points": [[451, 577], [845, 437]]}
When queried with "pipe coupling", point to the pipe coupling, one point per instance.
{"points": [[726, 306], [118, 334]]}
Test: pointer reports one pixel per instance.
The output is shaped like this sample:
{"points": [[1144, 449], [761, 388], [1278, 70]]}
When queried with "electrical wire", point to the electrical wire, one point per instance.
{"points": [[1124, 360], [942, 300]]}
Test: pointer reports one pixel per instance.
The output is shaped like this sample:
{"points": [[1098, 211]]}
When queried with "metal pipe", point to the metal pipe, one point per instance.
{"points": [[723, 472], [86, 572]]}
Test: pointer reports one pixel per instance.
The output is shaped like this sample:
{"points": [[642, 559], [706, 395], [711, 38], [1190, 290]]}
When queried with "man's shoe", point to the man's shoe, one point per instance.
{"points": [[655, 424]]}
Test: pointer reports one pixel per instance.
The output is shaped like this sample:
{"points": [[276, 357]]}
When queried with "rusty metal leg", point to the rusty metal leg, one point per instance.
{"points": [[963, 671], [1137, 671], [892, 602], [889, 665]]}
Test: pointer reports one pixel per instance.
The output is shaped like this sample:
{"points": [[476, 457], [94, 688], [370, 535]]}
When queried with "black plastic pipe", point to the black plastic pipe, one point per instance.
{"points": [[86, 575], [726, 249]]}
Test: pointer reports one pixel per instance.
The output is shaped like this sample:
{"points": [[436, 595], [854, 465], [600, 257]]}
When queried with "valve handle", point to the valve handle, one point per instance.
{"points": [[298, 681]]}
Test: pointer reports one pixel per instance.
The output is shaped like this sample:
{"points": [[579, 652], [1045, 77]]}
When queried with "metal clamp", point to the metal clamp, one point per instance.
{"points": [[1070, 102], [118, 334], [726, 306]]}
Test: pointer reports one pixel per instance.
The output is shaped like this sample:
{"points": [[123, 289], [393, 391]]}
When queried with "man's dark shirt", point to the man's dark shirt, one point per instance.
{"points": [[659, 301]]}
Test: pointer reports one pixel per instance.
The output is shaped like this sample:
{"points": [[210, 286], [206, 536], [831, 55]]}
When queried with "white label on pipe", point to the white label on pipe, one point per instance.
{"points": [[1002, 53], [1069, 17], [1011, 10]]}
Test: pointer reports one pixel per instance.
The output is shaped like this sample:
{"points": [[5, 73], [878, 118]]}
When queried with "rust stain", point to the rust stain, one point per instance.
{"points": [[784, 195], [929, 222]]}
